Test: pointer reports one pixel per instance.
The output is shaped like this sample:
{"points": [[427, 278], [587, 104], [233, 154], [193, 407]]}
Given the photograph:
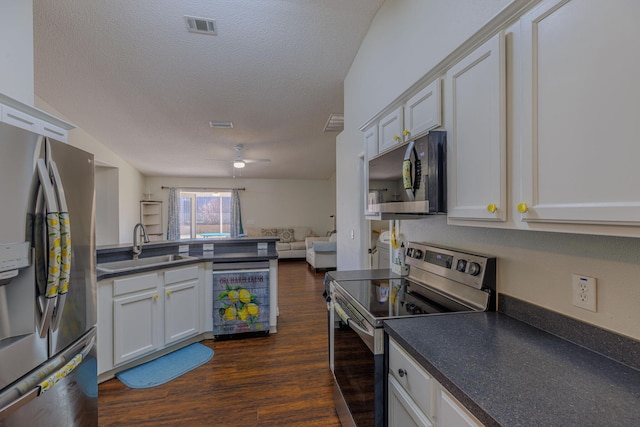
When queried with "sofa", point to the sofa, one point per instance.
{"points": [[321, 252], [292, 239]]}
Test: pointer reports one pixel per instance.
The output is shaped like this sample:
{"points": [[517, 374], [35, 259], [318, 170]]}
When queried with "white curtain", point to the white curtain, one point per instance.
{"points": [[173, 226], [236, 216]]}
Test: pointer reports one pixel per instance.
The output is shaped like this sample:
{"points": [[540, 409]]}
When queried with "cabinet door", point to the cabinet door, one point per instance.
{"points": [[452, 414], [371, 142], [581, 107], [136, 324], [476, 121], [402, 411], [390, 130], [181, 314], [423, 111]]}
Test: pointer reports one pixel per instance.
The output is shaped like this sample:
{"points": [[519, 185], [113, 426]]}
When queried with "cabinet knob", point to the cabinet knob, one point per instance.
{"points": [[168, 293], [523, 207], [155, 296], [492, 208], [405, 132], [402, 372], [396, 137]]}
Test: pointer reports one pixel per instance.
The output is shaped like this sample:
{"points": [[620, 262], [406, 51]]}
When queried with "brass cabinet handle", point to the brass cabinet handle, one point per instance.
{"points": [[523, 207]]}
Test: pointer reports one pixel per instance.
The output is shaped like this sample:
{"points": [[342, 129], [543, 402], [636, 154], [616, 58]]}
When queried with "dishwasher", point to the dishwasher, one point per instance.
{"points": [[240, 299]]}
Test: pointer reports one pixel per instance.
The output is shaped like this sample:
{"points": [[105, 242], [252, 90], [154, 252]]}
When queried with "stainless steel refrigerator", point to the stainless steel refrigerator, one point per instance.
{"points": [[48, 372]]}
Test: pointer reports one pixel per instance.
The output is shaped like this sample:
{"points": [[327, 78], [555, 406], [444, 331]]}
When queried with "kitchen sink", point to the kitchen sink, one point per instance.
{"points": [[135, 264]]}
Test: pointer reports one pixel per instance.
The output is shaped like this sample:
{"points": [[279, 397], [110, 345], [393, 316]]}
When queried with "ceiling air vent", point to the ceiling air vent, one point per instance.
{"points": [[201, 25], [224, 125], [335, 123]]}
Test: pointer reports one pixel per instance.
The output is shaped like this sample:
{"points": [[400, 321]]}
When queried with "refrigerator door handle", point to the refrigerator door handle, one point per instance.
{"points": [[33, 385], [18, 403], [65, 241], [53, 248]]}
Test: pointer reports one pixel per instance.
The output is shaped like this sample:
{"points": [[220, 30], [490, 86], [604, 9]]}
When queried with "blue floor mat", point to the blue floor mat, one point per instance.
{"points": [[167, 367]]}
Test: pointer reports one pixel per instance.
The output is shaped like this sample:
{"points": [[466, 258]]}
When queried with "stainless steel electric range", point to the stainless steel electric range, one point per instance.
{"points": [[441, 281]]}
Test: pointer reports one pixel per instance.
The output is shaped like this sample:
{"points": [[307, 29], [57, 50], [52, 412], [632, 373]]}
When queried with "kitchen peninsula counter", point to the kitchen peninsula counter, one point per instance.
{"points": [[225, 250], [510, 373]]}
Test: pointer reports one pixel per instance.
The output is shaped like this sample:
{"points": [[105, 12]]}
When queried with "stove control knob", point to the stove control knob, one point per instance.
{"points": [[461, 266], [474, 268], [417, 254]]}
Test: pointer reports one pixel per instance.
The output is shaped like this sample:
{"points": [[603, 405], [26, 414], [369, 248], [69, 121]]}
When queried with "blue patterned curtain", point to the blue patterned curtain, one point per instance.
{"points": [[173, 226], [236, 216]]}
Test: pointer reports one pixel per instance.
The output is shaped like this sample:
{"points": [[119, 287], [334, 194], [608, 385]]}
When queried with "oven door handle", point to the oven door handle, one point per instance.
{"points": [[351, 322]]}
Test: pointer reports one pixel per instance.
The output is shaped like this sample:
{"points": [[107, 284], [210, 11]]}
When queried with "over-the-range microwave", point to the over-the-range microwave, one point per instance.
{"points": [[409, 181]]}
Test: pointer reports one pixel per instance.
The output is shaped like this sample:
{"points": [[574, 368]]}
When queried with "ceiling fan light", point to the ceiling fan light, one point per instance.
{"points": [[238, 164]]}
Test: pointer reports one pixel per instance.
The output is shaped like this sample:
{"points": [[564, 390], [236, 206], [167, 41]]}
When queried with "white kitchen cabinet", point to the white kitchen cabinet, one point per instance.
{"points": [[137, 311], [411, 397], [371, 142], [141, 314], [415, 399], [581, 103], [423, 111], [475, 91], [402, 410], [181, 308], [452, 414], [420, 113], [390, 130]]}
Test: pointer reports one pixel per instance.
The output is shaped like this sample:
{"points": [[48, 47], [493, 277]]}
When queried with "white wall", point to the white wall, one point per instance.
{"points": [[16, 50], [406, 39], [265, 202]]}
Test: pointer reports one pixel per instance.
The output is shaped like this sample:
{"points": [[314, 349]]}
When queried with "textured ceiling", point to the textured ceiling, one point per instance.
{"points": [[130, 74]]}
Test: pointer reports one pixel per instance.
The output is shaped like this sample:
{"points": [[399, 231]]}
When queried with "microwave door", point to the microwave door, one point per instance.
{"points": [[411, 171]]}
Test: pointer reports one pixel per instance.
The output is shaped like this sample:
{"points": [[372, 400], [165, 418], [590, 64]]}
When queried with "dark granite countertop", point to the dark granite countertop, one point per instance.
{"points": [[382, 273], [175, 243], [509, 373], [226, 251]]}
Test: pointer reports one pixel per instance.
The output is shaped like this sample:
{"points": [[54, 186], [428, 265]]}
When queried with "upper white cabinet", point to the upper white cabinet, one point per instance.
{"points": [[476, 131], [581, 106], [423, 111], [371, 141], [420, 113], [390, 130]]}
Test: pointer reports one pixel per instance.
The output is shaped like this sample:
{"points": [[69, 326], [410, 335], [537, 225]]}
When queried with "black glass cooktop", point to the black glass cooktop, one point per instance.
{"points": [[388, 298]]}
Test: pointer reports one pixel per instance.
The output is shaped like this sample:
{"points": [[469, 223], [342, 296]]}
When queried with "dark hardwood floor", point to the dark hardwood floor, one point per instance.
{"points": [[279, 380]]}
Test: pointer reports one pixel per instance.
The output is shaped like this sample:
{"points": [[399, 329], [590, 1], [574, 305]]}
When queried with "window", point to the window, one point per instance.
{"points": [[204, 214]]}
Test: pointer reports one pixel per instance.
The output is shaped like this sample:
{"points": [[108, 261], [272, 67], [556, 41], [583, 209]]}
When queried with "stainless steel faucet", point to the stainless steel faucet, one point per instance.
{"points": [[137, 246]]}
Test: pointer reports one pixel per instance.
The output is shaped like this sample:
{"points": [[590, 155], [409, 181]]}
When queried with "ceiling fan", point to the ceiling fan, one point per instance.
{"points": [[239, 162]]}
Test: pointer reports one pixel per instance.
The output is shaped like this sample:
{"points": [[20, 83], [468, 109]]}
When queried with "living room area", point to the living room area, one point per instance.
{"points": [[305, 206]]}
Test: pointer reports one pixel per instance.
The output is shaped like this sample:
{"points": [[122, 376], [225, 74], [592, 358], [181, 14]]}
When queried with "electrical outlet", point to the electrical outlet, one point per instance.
{"points": [[584, 292]]}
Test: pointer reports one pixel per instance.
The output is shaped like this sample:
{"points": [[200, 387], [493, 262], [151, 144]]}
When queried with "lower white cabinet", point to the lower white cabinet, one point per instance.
{"points": [[452, 414], [416, 399], [181, 314], [143, 313], [402, 410], [136, 319]]}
